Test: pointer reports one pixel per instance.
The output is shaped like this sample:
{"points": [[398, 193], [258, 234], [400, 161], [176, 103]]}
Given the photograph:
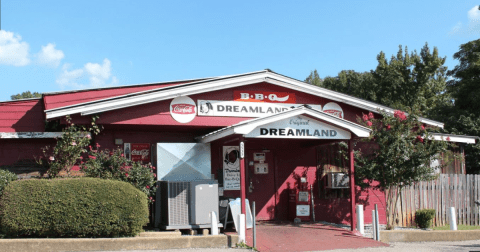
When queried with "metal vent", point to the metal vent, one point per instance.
{"points": [[178, 203]]}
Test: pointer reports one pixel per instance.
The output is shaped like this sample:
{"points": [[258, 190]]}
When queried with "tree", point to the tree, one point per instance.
{"points": [[406, 81], [402, 156], [352, 83], [411, 80], [462, 116], [25, 95], [314, 78]]}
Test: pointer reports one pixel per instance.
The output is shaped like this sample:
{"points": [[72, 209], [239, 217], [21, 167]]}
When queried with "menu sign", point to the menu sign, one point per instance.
{"points": [[231, 168]]}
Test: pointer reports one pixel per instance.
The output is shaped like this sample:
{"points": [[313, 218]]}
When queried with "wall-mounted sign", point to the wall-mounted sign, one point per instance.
{"points": [[333, 109], [260, 96], [299, 127], [244, 109], [183, 109], [140, 152], [231, 168]]}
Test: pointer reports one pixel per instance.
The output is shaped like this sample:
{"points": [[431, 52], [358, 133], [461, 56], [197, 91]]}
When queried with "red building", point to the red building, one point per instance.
{"points": [[268, 136]]}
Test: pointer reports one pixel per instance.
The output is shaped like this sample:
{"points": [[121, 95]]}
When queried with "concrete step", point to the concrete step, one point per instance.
{"points": [[161, 234]]}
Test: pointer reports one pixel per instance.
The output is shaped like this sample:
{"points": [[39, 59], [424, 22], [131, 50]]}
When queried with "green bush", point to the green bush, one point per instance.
{"points": [[423, 217], [5, 178], [74, 207]]}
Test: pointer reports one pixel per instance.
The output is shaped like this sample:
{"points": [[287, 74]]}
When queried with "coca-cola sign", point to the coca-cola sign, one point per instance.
{"points": [[333, 109], [140, 152], [183, 109]]}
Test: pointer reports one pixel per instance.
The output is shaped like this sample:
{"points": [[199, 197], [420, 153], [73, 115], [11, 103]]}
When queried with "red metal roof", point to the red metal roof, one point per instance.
{"points": [[62, 99], [22, 116]]}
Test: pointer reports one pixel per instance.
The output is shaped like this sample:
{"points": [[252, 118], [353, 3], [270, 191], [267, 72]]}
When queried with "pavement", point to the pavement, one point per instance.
{"points": [[274, 236]]}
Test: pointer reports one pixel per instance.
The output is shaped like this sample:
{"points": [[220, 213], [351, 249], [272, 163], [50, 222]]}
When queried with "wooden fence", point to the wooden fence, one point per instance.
{"points": [[449, 190]]}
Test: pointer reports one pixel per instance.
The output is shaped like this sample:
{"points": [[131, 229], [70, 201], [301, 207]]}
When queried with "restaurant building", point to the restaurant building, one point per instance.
{"points": [[264, 136]]}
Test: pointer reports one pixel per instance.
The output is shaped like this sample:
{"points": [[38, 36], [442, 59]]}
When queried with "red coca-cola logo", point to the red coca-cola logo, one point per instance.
{"points": [[183, 109], [334, 112]]}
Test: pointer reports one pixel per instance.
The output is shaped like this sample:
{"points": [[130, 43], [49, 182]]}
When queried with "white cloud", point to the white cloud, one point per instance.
{"points": [[474, 14], [13, 51], [92, 75], [473, 26], [50, 56]]}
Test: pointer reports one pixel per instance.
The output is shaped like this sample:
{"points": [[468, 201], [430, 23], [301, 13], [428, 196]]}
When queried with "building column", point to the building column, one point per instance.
{"points": [[352, 184]]}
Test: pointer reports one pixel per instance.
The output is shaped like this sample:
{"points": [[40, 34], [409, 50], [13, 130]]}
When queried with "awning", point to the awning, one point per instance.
{"points": [[299, 123]]}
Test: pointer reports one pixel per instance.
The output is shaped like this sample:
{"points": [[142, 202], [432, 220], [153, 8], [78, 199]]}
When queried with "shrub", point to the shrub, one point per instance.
{"points": [[74, 207], [69, 148], [5, 178], [113, 164], [423, 217]]}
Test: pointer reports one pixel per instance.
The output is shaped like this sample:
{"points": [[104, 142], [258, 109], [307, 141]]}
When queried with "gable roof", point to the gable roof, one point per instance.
{"points": [[214, 84], [248, 126]]}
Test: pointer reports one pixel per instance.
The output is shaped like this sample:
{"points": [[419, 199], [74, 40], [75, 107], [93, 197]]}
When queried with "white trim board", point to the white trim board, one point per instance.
{"points": [[455, 138], [13, 135], [215, 84]]}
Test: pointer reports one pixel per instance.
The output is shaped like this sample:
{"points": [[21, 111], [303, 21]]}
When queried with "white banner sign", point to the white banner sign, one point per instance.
{"points": [[231, 168], [299, 127], [244, 109]]}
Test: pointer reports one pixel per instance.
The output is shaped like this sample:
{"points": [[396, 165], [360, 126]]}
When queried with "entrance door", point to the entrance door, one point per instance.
{"points": [[261, 183]]}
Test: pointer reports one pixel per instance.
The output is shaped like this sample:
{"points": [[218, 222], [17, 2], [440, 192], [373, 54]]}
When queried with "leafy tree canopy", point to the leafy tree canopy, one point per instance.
{"points": [[25, 95], [407, 80]]}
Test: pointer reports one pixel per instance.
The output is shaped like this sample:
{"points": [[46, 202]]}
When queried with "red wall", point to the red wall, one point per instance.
{"points": [[22, 116], [13, 150]]}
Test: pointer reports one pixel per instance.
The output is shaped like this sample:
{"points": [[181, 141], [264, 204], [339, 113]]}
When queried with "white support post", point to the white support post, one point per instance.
{"points": [[374, 223], [377, 223], [360, 224], [453, 219], [214, 230], [241, 228]]}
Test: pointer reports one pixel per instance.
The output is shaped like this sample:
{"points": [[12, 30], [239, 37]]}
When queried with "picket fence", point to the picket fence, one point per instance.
{"points": [[449, 190]]}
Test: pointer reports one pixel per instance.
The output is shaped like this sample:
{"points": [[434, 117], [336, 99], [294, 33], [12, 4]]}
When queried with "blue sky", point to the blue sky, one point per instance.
{"points": [[50, 46]]}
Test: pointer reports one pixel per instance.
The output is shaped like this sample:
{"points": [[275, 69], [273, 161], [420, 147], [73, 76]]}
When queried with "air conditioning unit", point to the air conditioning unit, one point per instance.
{"points": [[337, 180]]}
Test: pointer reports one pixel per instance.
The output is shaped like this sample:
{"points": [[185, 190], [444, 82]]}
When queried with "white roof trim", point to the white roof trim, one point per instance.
{"points": [[10, 135], [214, 85], [246, 127], [455, 138]]}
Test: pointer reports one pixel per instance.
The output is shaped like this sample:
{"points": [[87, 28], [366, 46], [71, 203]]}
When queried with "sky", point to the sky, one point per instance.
{"points": [[49, 46]]}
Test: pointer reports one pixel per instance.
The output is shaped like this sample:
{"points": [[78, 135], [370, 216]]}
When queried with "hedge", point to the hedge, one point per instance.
{"points": [[76, 207], [424, 217]]}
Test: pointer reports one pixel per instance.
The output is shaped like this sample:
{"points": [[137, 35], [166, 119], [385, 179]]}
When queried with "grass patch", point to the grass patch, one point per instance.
{"points": [[459, 227]]}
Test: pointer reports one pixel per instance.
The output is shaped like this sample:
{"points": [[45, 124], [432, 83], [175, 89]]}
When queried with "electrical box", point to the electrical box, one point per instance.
{"points": [[261, 168], [337, 180], [203, 201]]}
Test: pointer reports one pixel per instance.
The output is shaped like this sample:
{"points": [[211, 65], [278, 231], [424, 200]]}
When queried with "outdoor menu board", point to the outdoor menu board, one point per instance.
{"points": [[231, 168]]}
